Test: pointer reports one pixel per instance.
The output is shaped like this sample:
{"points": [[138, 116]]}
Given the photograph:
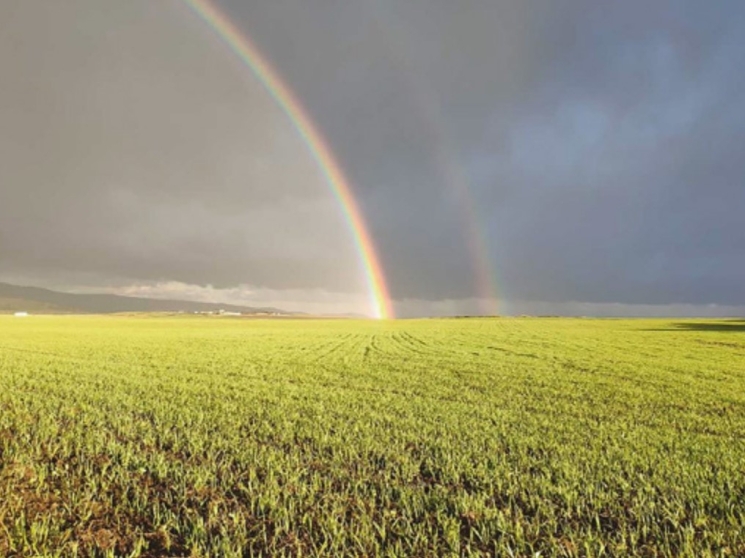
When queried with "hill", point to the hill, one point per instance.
{"points": [[14, 298]]}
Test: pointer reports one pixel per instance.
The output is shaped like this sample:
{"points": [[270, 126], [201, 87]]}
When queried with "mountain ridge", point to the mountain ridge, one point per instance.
{"points": [[16, 298]]}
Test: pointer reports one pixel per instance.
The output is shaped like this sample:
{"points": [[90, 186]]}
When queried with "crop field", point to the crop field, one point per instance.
{"points": [[199, 436]]}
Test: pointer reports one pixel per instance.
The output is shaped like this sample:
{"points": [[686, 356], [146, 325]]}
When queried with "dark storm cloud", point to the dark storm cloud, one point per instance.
{"points": [[601, 143], [602, 140]]}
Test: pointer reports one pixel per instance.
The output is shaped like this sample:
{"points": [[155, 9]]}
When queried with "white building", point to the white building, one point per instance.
{"points": [[21, 314]]}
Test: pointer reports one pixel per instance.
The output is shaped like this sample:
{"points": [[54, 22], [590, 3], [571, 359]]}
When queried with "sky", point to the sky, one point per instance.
{"points": [[514, 156]]}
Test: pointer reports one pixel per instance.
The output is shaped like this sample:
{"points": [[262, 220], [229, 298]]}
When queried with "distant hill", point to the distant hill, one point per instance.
{"points": [[14, 298], [9, 305]]}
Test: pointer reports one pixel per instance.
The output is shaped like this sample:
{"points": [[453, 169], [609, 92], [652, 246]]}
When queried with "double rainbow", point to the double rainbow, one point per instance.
{"points": [[247, 51]]}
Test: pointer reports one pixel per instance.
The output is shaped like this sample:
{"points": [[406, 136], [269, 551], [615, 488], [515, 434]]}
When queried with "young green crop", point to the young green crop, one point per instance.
{"points": [[175, 436]]}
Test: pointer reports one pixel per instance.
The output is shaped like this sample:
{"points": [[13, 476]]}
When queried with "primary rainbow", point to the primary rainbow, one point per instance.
{"points": [[251, 56]]}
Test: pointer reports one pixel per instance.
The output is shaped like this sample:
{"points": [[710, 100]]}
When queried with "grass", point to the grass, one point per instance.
{"points": [[144, 436]]}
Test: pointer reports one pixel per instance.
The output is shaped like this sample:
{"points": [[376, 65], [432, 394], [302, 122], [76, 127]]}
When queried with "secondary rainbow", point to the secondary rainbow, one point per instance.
{"points": [[452, 171], [248, 52]]}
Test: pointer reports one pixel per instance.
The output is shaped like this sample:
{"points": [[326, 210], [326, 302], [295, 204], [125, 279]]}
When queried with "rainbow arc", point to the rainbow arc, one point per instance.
{"points": [[251, 56]]}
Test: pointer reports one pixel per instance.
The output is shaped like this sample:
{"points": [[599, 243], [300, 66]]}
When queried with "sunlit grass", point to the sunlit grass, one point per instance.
{"points": [[227, 437]]}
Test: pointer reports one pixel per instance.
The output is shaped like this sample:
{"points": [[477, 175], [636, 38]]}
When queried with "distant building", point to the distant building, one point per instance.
{"points": [[21, 314]]}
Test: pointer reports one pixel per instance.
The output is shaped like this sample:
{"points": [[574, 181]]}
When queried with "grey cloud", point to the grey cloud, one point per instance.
{"points": [[600, 140], [133, 144], [600, 143]]}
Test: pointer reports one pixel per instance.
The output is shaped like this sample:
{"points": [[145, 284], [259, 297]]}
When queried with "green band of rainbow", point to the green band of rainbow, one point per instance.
{"points": [[251, 57]]}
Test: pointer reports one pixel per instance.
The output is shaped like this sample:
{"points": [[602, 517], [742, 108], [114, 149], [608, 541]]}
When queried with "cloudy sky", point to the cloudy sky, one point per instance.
{"points": [[560, 157]]}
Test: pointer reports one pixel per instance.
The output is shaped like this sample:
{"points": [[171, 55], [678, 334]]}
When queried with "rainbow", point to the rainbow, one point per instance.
{"points": [[452, 171], [248, 52]]}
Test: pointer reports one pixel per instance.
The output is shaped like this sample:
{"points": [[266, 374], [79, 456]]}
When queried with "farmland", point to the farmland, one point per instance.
{"points": [[185, 436]]}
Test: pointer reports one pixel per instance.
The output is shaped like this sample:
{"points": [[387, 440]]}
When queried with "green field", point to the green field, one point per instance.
{"points": [[157, 436]]}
